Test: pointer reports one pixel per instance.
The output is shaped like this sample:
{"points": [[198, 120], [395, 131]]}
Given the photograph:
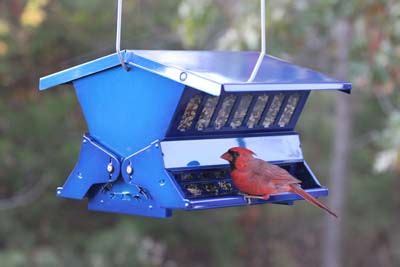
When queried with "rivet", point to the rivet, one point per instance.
{"points": [[110, 168], [162, 182], [80, 176], [150, 206], [183, 76], [157, 145], [129, 170], [101, 201], [187, 205]]}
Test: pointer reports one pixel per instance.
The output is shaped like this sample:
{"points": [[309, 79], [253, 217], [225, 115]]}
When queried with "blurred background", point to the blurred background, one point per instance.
{"points": [[351, 142]]}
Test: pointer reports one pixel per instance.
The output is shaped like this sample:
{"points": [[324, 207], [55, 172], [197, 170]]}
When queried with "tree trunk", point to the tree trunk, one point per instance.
{"points": [[332, 250]]}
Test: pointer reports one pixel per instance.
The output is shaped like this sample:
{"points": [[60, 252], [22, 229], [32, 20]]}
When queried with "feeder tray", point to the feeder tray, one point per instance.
{"points": [[158, 122]]}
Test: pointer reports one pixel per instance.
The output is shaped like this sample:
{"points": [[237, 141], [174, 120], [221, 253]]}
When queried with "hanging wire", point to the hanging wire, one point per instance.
{"points": [[263, 43], [256, 67], [118, 36]]}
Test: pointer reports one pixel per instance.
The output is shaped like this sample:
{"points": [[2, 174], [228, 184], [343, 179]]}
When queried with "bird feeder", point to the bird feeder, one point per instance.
{"points": [[158, 123]]}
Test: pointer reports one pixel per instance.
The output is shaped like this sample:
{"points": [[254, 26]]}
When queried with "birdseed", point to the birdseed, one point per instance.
{"points": [[206, 113], [273, 111], [289, 110], [241, 111], [257, 111], [224, 112], [189, 114]]}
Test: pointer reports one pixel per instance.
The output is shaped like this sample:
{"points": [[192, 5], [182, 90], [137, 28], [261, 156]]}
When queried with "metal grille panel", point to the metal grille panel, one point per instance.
{"points": [[201, 114]]}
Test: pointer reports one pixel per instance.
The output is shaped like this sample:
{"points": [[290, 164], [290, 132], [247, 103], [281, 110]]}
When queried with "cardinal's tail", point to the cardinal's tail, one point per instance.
{"points": [[295, 188]]}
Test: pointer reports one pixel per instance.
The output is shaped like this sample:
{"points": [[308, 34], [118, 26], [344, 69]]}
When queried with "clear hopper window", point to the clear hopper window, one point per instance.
{"points": [[255, 114], [201, 114], [206, 113], [241, 111], [224, 111], [205, 183], [289, 110], [273, 110], [190, 113]]}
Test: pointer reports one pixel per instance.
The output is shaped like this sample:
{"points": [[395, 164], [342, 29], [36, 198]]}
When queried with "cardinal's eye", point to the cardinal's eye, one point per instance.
{"points": [[234, 154]]}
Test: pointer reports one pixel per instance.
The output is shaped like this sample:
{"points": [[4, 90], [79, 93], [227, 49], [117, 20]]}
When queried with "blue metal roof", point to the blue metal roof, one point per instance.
{"points": [[75, 73], [209, 71]]}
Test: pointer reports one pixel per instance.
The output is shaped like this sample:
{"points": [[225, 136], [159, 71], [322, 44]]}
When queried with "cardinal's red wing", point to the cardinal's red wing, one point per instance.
{"points": [[270, 173]]}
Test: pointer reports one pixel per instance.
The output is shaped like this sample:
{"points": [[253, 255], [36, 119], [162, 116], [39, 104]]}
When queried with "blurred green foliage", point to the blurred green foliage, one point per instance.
{"points": [[40, 133]]}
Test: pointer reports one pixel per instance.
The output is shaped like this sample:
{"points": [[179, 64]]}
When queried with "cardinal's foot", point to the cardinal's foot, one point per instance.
{"points": [[248, 198]]}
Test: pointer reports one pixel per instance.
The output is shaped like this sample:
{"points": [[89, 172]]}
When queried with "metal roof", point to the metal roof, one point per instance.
{"points": [[209, 71]]}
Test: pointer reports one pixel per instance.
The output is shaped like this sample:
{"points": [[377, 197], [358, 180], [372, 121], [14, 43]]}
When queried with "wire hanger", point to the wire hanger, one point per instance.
{"points": [[263, 43], [255, 69], [118, 36]]}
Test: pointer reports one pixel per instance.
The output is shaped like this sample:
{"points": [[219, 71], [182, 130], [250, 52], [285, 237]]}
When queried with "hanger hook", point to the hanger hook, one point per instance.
{"points": [[118, 36]]}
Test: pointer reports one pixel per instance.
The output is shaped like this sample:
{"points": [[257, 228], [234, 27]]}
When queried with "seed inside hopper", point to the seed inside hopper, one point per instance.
{"points": [[224, 112], [257, 111], [289, 110], [241, 111], [194, 189], [206, 113], [273, 111], [189, 114]]}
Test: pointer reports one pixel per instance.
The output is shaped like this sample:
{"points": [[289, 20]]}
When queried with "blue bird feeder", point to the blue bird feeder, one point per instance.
{"points": [[157, 130]]}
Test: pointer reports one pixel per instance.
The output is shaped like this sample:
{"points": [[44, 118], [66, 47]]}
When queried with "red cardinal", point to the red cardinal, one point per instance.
{"points": [[260, 179]]}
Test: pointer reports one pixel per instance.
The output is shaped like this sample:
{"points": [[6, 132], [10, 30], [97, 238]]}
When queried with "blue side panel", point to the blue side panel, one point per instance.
{"points": [[91, 169], [149, 173], [126, 111], [128, 199]]}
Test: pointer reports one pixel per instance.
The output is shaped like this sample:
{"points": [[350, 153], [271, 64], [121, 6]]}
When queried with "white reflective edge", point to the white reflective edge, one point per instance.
{"points": [[207, 152], [277, 87]]}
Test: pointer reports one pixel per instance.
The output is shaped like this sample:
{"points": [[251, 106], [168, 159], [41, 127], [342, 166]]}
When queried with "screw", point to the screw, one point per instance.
{"points": [[110, 168], [162, 182], [183, 76], [129, 170], [59, 190]]}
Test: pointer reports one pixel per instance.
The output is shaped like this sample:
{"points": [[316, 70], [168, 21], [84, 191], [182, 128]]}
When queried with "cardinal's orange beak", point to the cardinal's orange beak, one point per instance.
{"points": [[226, 156]]}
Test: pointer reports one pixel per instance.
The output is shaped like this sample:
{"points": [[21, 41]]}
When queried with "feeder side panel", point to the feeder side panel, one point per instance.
{"points": [[150, 174], [126, 199], [126, 111]]}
